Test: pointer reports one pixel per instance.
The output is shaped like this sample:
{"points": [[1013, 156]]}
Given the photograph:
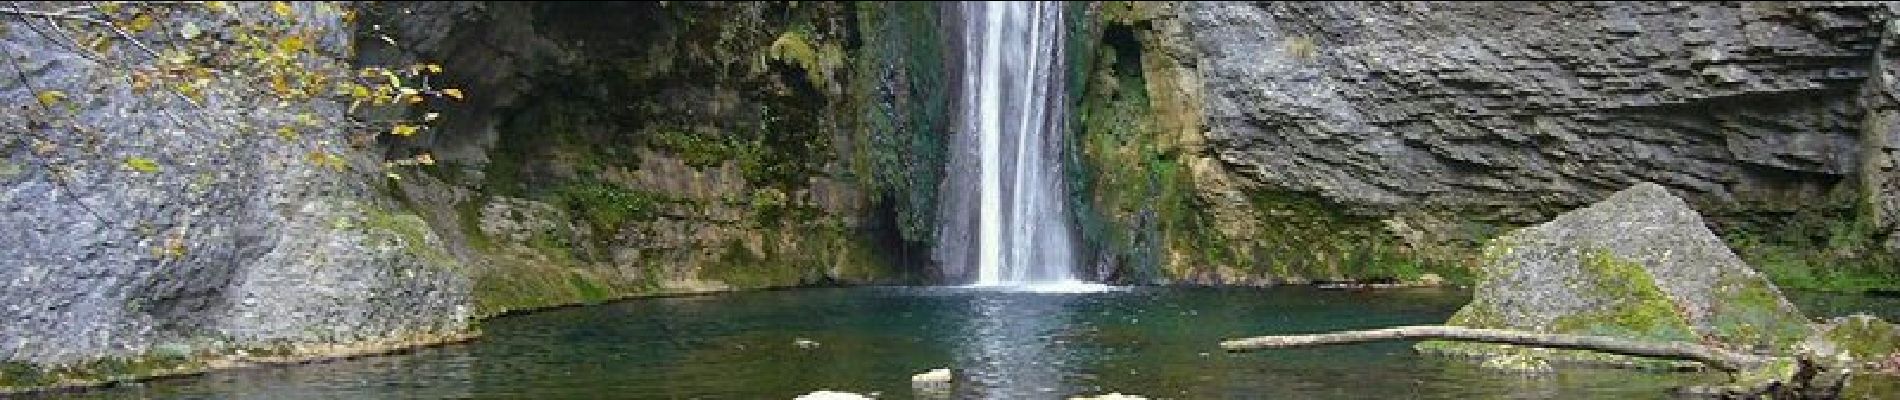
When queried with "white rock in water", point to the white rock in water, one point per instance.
{"points": [[935, 377], [804, 343], [830, 395], [1111, 396]]}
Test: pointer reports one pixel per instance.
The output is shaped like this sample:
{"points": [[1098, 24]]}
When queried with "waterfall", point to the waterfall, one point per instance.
{"points": [[1005, 187]]}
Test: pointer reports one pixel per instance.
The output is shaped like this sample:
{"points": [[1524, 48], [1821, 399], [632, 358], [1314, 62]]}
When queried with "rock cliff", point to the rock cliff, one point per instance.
{"points": [[163, 223], [180, 213], [1425, 128]]}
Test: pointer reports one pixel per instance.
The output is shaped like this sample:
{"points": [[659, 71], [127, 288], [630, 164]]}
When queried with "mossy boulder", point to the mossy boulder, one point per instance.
{"points": [[1641, 265]]}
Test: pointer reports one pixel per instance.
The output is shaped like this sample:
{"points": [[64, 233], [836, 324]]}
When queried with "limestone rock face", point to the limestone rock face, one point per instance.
{"points": [[148, 230], [1384, 105], [1639, 264]]}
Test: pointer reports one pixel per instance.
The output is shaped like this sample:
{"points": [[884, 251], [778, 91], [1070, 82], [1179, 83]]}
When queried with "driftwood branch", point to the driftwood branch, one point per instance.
{"points": [[1717, 358]]}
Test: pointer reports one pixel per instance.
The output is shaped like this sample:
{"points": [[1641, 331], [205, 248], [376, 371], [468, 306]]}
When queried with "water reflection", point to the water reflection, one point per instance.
{"points": [[1156, 342], [1011, 347]]}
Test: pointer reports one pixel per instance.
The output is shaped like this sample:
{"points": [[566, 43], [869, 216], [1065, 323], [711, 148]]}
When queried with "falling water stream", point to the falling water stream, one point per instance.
{"points": [[1011, 122]]}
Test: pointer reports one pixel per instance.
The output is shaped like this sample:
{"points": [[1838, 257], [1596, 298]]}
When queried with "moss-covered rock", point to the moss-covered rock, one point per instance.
{"points": [[1640, 265], [1860, 338]]}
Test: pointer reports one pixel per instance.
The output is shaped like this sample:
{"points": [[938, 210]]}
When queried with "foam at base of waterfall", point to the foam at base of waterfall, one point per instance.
{"points": [[1067, 286]]}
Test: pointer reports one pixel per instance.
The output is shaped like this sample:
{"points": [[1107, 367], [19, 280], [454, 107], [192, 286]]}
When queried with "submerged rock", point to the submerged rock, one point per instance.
{"points": [[804, 343], [830, 395], [932, 380], [1641, 265], [1110, 396]]}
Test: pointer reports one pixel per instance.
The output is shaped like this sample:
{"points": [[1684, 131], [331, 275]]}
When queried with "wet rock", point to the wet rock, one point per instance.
{"points": [[804, 343], [1640, 264], [1517, 363], [1110, 396], [831, 395], [1862, 341], [936, 381]]}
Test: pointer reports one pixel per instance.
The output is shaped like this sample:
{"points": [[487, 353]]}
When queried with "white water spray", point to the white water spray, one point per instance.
{"points": [[1011, 122]]}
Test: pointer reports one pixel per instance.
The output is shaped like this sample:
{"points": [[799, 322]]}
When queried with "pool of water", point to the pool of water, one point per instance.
{"points": [[1157, 342]]}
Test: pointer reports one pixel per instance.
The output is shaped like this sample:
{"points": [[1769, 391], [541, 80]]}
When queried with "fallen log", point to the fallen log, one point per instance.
{"points": [[1714, 357]]}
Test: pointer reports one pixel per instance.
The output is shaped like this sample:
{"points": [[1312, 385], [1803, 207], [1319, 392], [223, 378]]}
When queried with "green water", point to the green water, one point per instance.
{"points": [[1158, 342]]}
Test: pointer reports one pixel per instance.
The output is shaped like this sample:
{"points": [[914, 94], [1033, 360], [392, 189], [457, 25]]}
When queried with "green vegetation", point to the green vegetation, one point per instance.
{"points": [[411, 230], [1864, 337], [818, 60], [1640, 309], [607, 207], [900, 90], [1827, 244], [1749, 312], [1138, 196], [15, 375]]}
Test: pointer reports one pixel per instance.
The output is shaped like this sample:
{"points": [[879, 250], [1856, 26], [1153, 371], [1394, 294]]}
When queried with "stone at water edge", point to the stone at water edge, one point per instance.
{"points": [[1110, 396], [935, 376], [804, 343], [1640, 264], [1429, 279], [936, 381], [830, 395]]}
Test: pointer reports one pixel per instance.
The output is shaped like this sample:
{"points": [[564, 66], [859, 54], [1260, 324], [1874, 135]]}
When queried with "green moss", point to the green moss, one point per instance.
{"points": [[468, 216], [1864, 337], [22, 375], [1638, 308], [1778, 370], [818, 60], [1820, 244], [1872, 386], [524, 287], [1484, 351], [1477, 314], [14, 374], [1747, 312], [607, 207], [900, 90], [741, 267], [411, 230], [588, 291]]}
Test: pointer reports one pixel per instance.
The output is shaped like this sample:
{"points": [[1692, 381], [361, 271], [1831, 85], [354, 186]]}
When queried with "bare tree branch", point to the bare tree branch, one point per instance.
{"points": [[1716, 357]]}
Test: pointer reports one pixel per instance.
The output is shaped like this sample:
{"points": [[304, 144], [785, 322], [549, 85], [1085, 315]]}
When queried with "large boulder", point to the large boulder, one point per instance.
{"points": [[1640, 264]]}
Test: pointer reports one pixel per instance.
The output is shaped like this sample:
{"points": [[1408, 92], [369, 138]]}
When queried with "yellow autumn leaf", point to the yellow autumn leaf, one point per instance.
{"points": [[430, 117], [359, 92], [433, 68], [404, 130], [307, 119], [414, 98], [326, 160], [141, 164], [99, 44], [278, 84], [287, 133], [50, 97], [191, 91], [456, 93], [290, 44], [217, 6], [282, 8], [140, 23]]}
